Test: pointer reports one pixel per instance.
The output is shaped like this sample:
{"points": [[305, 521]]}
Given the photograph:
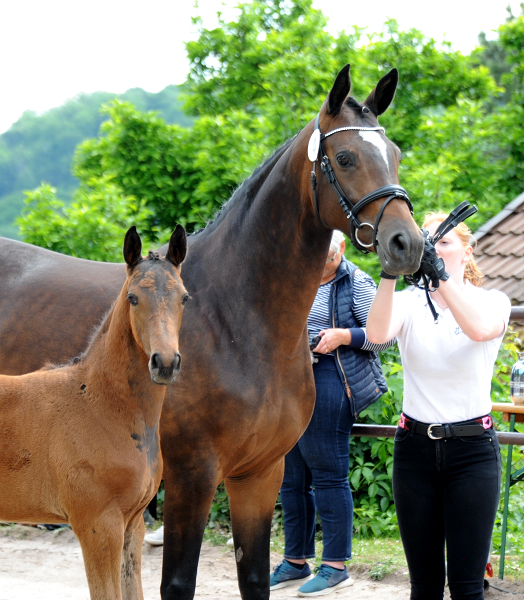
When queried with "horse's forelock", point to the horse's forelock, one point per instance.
{"points": [[352, 103]]}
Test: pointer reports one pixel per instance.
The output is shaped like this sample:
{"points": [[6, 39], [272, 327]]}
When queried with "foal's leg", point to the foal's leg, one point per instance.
{"points": [[252, 503], [101, 538], [132, 559]]}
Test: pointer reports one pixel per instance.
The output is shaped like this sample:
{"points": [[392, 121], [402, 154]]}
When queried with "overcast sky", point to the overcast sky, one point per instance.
{"points": [[53, 50]]}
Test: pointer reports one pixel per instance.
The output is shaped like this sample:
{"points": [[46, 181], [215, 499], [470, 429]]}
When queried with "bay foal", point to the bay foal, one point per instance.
{"points": [[79, 444]]}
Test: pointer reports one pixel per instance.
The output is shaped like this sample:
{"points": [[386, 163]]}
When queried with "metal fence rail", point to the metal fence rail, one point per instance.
{"points": [[361, 430]]}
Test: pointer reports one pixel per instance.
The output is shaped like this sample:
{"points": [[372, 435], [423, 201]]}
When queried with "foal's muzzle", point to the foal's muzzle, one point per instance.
{"points": [[161, 373]]}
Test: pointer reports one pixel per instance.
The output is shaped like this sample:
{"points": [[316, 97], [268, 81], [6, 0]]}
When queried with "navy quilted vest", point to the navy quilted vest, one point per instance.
{"points": [[359, 370]]}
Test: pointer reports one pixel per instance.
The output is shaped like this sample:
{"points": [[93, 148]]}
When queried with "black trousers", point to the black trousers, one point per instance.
{"points": [[446, 496]]}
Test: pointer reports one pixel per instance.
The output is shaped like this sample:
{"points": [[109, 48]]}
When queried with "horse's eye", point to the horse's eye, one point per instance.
{"points": [[185, 298], [343, 160], [133, 300]]}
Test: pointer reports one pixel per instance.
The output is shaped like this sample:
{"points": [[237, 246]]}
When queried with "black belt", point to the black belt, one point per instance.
{"points": [[438, 431]]}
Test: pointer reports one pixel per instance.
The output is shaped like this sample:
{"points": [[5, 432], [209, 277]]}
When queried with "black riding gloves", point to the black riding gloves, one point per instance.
{"points": [[385, 275], [432, 266]]}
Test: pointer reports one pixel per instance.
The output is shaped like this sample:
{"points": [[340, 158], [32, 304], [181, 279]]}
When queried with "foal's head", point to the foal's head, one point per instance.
{"points": [[156, 298]]}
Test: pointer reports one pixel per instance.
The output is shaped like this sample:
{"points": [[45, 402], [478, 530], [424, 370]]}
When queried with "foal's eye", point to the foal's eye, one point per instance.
{"points": [[185, 298], [133, 300]]}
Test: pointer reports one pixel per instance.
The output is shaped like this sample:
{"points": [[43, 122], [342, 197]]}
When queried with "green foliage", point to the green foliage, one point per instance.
{"points": [[219, 515], [40, 147], [431, 78], [372, 458], [92, 227], [182, 175], [459, 155], [266, 62], [380, 569]]}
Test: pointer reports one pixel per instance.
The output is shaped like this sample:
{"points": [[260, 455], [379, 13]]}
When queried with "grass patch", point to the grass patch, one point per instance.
{"points": [[378, 556]]}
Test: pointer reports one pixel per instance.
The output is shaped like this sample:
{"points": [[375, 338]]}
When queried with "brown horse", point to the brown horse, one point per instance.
{"points": [[246, 393], [79, 443]]}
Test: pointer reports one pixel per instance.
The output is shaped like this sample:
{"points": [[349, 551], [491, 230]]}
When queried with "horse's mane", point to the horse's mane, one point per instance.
{"points": [[248, 189]]}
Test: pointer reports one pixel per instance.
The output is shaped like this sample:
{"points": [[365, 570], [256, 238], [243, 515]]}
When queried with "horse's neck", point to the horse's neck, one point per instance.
{"points": [[120, 367], [269, 250]]}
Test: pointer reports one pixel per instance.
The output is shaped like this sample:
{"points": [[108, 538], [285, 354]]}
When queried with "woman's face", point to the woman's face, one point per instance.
{"points": [[332, 263], [451, 250]]}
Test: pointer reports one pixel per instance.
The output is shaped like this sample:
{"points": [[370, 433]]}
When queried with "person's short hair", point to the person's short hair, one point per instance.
{"points": [[336, 239]]}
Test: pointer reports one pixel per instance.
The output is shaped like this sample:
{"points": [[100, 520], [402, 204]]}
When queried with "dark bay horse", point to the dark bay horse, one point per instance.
{"points": [[80, 443], [246, 392]]}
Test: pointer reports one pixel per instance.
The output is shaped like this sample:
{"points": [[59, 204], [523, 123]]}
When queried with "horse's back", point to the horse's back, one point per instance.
{"points": [[50, 304]]}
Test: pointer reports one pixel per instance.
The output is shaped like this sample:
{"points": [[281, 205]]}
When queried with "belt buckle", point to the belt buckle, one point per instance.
{"points": [[430, 435]]}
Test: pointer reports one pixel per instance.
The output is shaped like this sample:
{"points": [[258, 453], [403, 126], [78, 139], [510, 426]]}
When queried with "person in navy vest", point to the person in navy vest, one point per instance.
{"points": [[348, 378]]}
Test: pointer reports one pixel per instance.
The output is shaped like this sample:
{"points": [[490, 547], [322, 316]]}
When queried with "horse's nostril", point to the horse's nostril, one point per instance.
{"points": [[397, 244], [177, 362], [156, 361]]}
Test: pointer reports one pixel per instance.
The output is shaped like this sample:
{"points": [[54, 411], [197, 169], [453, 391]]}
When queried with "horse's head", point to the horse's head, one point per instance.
{"points": [[156, 298], [355, 181]]}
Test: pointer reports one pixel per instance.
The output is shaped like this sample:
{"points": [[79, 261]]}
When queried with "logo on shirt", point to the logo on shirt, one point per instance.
{"points": [[458, 330]]}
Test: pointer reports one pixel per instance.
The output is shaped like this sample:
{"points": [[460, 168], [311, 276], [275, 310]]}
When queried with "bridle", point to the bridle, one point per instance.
{"points": [[392, 191]]}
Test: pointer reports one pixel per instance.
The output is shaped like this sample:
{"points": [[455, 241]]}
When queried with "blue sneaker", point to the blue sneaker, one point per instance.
{"points": [[286, 574], [326, 581]]}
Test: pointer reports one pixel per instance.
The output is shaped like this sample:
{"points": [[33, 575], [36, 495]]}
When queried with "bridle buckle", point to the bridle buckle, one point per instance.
{"points": [[430, 435]]}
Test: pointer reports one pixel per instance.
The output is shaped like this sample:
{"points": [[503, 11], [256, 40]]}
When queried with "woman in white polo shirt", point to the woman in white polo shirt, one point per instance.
{"points": [[446, 470]]}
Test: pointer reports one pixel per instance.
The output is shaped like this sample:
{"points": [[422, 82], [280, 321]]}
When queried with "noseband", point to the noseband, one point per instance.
{"points": [[351, 210]]}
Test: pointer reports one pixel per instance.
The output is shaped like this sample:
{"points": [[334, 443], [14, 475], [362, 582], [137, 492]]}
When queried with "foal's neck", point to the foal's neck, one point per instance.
{"points": [[120, 365]]}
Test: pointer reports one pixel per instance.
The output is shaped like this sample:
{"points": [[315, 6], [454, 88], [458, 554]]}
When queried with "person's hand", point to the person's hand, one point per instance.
{"points": [[432, 266], [331, 339]]}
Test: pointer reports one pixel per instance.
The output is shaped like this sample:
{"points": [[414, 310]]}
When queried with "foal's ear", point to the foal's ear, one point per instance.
{"points": [[177, 249], [132, 248], [338, 92], [382, 96]]}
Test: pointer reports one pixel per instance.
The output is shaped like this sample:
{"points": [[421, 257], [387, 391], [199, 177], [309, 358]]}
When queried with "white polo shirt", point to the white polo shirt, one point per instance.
{"points": [[447, 376]]}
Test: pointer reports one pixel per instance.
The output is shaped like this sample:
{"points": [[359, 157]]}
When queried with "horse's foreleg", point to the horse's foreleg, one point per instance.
{"points": [[188, 497], [101, 538], [131, 575], [252, 502]]}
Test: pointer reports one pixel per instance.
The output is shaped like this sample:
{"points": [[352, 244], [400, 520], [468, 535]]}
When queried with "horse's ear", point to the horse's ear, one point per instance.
{"points": [[382, 96], [339, 92], [177, 249], [132, 248]]}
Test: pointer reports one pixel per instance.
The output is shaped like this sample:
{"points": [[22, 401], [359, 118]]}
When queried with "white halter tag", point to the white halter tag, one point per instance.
{"points": [[314, 145]]}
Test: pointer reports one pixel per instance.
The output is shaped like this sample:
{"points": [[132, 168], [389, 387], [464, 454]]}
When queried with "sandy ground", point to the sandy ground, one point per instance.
{"points": [[36, 564]]}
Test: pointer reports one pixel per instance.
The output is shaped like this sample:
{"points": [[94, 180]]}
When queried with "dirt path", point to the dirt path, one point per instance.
{"points": [[41, 565]]}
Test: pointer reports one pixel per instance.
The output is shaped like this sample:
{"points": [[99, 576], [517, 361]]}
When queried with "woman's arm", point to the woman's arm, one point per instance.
{"points": [[479, 323], [364, 290], [383, 322]]}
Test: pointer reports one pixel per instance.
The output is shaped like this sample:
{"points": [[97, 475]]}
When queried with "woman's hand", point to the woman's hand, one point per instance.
{"points": [[331, 339]]}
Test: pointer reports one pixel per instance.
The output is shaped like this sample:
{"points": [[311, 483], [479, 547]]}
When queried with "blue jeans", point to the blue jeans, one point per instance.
{"points": [[316, 474], [446, 496]]}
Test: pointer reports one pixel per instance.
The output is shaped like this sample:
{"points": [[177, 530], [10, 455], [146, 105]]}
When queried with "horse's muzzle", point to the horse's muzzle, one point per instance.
{"points": [[161, 373], [400, 251]]}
